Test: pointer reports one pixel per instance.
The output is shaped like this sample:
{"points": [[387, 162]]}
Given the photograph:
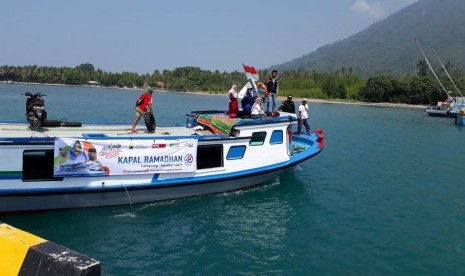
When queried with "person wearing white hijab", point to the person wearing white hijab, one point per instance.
{"points": [[257, 109], [233, 104], [232, 93]]}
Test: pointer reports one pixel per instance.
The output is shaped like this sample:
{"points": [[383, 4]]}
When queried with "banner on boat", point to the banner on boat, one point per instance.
{"points": [[80, 157]]}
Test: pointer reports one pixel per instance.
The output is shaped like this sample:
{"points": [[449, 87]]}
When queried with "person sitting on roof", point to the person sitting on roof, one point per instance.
{"points": [[247, 103], [257, 109]]}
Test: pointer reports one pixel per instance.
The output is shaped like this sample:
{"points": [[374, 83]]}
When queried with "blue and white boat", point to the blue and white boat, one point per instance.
{"points": [[102, 164]]}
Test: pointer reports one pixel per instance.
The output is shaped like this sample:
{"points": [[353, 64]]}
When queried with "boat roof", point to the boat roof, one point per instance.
{"points": [[122, 131], [94, 130]]}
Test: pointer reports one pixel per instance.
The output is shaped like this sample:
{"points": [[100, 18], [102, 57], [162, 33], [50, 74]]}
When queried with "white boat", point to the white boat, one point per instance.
{"points": [[440, 110], [102, 164]]}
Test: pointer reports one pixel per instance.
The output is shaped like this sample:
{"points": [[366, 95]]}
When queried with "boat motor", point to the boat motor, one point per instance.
{"points": [[35, 109]]}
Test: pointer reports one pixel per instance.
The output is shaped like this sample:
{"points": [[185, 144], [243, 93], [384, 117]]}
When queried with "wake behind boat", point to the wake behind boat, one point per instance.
{"points": [[99, 164]]}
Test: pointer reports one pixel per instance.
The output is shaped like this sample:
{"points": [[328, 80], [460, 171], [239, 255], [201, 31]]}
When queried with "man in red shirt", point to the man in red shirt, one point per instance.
{"points": [[145, 105]]}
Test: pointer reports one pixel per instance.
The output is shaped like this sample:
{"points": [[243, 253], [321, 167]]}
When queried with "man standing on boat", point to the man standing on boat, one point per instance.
{"points": [[143, 105], [272, 85], [303, 118], [288, 105]]}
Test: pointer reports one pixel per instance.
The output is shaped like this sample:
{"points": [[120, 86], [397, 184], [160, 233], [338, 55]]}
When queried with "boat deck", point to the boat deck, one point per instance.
{"points": [[110, 130]]}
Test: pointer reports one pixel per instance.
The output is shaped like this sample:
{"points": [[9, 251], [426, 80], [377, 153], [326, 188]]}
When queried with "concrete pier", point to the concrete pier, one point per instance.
{"points": [[22, 253]]}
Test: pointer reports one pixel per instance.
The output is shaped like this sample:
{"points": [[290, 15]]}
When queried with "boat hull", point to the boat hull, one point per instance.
{"points": [[50, 201], [254, 152], [439, 112]]}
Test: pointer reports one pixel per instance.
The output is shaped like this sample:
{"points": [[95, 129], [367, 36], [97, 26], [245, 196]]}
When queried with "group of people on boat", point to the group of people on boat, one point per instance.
{"points": [[252, 105], [257, 102], [263, 103]]}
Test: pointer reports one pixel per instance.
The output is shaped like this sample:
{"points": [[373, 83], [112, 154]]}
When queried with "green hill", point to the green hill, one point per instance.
{"points": [[388, 47]]}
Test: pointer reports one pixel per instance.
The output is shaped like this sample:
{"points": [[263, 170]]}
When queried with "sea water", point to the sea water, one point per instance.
{"points": [[386, 196]]}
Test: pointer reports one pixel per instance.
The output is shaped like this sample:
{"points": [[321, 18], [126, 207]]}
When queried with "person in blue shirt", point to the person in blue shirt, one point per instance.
{"points": [[247, 103]]}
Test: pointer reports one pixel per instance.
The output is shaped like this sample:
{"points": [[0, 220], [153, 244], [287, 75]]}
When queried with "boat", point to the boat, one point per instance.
{"points": [[103, 164], [453, 105], [442, 109]]}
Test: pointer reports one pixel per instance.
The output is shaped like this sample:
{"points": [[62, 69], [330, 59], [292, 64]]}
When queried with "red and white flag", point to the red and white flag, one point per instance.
{"points": [[251, 72]]}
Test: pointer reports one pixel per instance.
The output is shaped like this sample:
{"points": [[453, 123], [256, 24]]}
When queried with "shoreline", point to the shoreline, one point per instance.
{"points": [[296, 100], [279, 98]]}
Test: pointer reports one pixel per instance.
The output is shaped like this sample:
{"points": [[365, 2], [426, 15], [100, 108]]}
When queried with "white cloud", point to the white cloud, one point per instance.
{"points": [[363, 7]]}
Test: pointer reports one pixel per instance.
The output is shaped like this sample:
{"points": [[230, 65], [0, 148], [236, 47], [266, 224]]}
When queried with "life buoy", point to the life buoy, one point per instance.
{"points": [[262, 86]]}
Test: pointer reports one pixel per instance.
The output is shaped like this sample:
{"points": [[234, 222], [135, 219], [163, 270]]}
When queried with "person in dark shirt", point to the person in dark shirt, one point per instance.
{"points": [[272, 85], [287, 105], [247, 103]]}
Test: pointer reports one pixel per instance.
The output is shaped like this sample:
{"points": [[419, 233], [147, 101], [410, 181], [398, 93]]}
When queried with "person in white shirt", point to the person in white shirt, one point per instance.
{"points": [[257, 109], [303, 118]]}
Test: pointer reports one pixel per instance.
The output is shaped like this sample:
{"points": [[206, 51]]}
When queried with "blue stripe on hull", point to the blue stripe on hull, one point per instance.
{"points": [[21, 203], [173, 182]]}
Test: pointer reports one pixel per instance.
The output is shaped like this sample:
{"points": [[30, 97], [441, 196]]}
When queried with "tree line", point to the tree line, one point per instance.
{"points": [[342, 84]]}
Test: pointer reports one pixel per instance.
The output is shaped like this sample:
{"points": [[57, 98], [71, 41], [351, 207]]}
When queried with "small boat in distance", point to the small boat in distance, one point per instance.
{"points": [[442, 109], [455, 104], [102, 164]]}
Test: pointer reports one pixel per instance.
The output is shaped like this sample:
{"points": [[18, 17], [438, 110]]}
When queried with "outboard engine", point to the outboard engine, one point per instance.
{"points": [[35, 109]]}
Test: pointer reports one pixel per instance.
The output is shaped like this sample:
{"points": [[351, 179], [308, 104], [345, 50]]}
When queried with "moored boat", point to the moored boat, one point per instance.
{"points": [[452, 106], [103, 164], [440, 111]]}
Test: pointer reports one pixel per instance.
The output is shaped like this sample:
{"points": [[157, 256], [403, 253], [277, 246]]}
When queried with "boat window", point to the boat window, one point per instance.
{"points": [[38, 165], [258, 138], [209, 156], [236, 152], [276, 137]]}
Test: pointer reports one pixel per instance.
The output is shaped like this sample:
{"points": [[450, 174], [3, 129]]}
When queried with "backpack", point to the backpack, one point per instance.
{"points": [[140, 101]]}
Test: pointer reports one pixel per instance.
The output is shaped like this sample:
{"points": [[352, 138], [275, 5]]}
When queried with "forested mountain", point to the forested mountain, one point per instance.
{"points": [[388, 47]]}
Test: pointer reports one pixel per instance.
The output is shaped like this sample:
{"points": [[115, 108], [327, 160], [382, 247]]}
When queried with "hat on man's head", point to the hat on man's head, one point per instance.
{"points": [[150, 89], [289, 97], [304, 100]]}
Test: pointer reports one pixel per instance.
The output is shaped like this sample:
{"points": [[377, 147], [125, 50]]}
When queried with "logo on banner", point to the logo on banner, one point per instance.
{"points": [[188, 159], [158, 146], [111, 150]]}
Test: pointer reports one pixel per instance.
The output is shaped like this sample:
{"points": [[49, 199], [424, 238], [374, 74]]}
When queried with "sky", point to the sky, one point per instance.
{"points": [[147, 35]]}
